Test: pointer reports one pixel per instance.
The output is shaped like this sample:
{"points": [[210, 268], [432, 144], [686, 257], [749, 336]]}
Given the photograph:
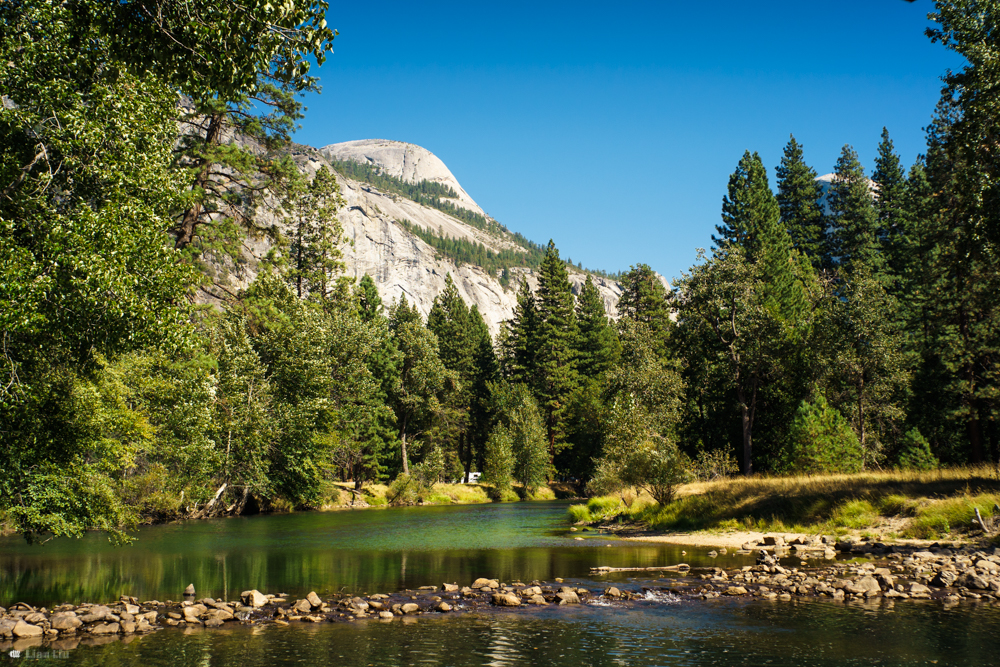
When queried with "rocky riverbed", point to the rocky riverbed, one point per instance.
{"points": [[876, 573]]}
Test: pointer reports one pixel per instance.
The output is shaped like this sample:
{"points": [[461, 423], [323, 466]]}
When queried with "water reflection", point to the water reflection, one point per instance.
{"points": [[723, 632], [360, 552]]}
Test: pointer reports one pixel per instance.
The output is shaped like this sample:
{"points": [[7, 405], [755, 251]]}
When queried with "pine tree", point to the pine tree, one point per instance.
{"points": [[854, 237], [598, 344], [521, 343], [367, 298], [798, 200], [644, 299], [724, 309], [891, 204], [420, 393], [402, 312], [450, 321], [484, 372], [867, 375], [556, 344], [752, 220], [311, 218], [957, 376], [750, 213]]}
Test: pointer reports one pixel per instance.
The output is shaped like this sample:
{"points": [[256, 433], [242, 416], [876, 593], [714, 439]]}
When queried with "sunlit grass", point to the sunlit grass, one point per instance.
{"points": [[915, 504], [339, 494]]}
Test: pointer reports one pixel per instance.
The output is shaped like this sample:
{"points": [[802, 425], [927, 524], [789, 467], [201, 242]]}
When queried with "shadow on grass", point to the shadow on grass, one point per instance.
{"points": [[923, 505]]}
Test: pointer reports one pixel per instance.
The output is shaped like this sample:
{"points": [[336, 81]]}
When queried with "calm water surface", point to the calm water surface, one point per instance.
{"points": [[367, 551], [387, 550]]}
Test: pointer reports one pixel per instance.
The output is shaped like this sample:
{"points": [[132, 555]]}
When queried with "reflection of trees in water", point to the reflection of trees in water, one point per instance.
{"points": [[372, 551], [106, 575], [721, 632]]}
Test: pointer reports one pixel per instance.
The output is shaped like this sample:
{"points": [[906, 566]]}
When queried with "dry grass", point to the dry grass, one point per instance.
{"points": [[925, 505], [340, 494]]}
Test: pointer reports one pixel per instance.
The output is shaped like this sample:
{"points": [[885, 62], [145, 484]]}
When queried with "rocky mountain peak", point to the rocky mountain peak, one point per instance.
{"points": [[404, 161]]}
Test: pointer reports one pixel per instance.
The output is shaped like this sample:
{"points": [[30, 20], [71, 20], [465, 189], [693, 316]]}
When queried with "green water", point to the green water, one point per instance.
{"points": [[387, 550], [367, 551]]}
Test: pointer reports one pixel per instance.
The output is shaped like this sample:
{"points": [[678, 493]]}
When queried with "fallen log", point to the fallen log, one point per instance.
{"points": [[680, 567]]}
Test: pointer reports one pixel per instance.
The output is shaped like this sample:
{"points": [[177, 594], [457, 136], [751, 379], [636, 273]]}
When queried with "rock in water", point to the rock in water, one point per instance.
{"points": [[506, 600], [314, 600], [22, 630], [65, 621], [253, 598], [189, 591], [568, 597]]}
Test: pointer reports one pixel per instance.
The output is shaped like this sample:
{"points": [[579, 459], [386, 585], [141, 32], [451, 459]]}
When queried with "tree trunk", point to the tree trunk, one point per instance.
{"points": [[746, 418], [467, 458], [975, 434], [189, 223], [861, 412], [406, 464]]}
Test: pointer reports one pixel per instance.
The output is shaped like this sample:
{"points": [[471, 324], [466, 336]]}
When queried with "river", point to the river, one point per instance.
{"points": [[388, 550]]}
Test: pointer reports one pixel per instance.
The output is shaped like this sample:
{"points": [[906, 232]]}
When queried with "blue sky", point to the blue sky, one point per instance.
{"points": [[612, 128]]}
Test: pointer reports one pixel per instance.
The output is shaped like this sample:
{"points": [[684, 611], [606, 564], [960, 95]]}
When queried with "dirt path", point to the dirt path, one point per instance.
{"points": [[732, 540]]}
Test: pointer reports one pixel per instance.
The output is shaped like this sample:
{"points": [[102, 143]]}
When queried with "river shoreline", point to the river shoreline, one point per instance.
{"points": [[894, 574]]}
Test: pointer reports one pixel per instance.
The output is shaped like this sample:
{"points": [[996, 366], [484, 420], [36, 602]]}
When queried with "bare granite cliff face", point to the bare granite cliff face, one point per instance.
{"points": [[375, 243], [401, 263]]}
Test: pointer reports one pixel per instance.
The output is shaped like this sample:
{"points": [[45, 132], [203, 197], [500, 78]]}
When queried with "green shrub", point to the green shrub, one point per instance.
{"points": [[716, 464], [498, 462], [519, 417], [407, 490], [915, 453], [821, 440]]}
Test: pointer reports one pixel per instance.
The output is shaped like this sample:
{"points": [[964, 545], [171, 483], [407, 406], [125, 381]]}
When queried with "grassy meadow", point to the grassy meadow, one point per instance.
{"points": [[887, 505]]}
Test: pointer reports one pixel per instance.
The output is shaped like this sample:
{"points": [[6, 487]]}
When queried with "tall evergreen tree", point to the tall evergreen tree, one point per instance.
{"points": [[890, 204], [722, 302], [310, 208], [854, 237], [751, 219], [368, 300], [485, 371], [556, 344], [449, 319], [598, 348], [798, 200], [521, 344], [866, 374], [420, 393], [959, 366], [645, 299]]}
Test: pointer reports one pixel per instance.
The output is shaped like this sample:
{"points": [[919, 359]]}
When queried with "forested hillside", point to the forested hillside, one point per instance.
{"points": [[806, 340]]}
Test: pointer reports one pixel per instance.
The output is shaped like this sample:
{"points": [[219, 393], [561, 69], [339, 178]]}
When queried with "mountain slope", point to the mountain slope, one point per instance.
{"points": [[398, 260]]}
